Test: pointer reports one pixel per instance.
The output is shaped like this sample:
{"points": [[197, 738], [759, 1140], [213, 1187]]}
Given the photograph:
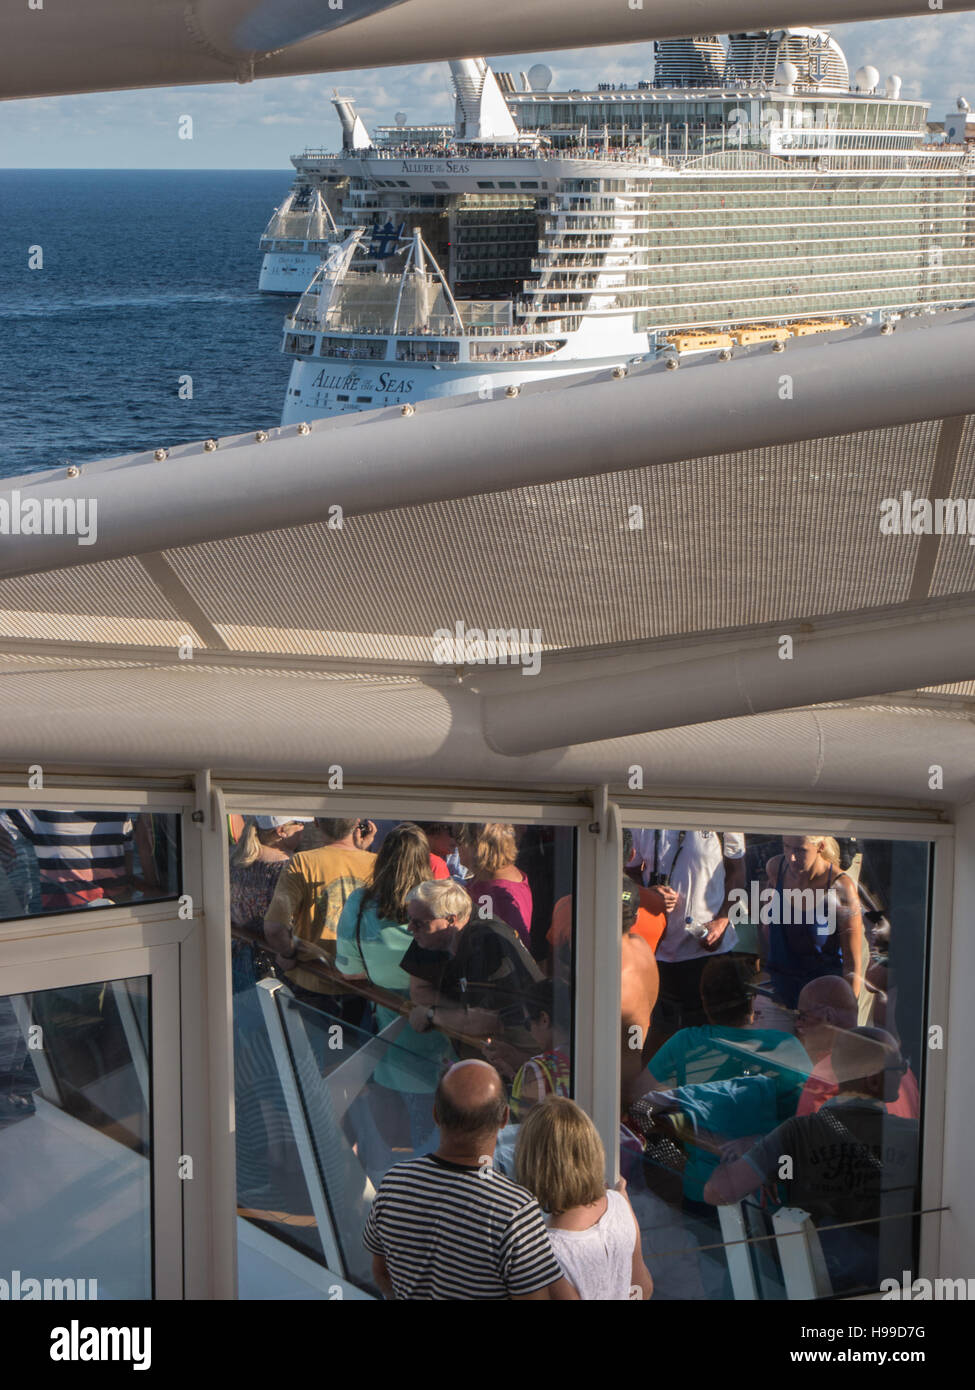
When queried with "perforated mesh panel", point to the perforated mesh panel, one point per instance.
{"points": [[707, 546]]}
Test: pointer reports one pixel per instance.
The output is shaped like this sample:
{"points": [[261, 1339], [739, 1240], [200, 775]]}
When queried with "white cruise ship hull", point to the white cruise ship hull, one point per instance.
{"points": [[287, 272], [318, 389]]}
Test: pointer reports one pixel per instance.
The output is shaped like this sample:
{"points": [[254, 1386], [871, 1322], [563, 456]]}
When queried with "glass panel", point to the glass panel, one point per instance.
{"points": [[338, 1052], [75, 1068], [57, 861], [775, 1104]]}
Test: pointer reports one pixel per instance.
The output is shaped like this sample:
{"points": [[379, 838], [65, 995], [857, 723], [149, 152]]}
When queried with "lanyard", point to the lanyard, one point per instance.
{"points": [[656, 851]]}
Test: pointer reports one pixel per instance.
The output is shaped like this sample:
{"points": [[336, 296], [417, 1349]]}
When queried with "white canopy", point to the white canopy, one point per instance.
{"points": [[112, 44], [223, 615]]}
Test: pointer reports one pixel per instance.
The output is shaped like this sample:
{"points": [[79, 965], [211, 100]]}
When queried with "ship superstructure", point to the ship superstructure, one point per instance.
{"points": [[296, 239], [576, 230]]}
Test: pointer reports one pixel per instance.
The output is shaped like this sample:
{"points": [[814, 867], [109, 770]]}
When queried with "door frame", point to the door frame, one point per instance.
{"points": [[60, 961]]}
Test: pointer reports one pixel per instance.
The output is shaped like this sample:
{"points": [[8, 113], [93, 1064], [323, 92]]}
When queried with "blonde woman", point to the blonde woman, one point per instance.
{"points": [[812, 924], [594, 1234], [264, 846], [489, 851]]}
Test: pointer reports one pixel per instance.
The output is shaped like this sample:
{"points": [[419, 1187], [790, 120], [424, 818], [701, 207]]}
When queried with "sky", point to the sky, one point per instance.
{"points": [[258, 126]]}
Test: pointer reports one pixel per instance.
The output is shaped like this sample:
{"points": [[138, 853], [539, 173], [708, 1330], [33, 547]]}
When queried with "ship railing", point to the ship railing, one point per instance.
{"points": [[437, 328], [509, 353], [634, 154]]}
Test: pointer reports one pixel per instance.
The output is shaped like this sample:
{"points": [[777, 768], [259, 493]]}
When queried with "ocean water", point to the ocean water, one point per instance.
{"points": [[147, 275]]}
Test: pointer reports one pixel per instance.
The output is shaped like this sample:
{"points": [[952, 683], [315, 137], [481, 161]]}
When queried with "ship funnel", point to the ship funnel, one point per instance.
{"points": [[354, 134], [481, 111]]}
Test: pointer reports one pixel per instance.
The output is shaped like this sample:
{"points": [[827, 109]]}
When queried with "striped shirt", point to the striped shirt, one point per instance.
{"points": [[79, 859], [451, 1232]]}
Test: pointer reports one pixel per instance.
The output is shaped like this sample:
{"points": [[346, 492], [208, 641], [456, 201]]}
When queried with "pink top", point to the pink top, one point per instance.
{"points": [[510, 901], [823, 1085]]}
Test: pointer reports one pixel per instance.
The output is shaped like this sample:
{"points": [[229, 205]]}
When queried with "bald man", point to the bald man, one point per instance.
{"points": [[828, 1009], [449, 1225]]}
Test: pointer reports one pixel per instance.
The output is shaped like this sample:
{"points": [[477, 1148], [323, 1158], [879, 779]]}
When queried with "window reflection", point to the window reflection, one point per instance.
{"points": [[59, 861], [776, 1094], [75, 1067], [402, 948]]}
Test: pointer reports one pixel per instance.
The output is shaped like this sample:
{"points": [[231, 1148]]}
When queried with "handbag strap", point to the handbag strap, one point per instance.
{"points": [[358, 935]]}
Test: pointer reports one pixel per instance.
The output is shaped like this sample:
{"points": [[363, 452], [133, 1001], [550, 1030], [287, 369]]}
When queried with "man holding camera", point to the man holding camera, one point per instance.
{"points": [[307, 904], [695, 873]]}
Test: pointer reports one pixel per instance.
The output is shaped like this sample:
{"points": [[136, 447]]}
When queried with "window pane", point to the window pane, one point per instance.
{"points": [[75, 1065], [772, 1117], [57, 861], [339, 1054]]}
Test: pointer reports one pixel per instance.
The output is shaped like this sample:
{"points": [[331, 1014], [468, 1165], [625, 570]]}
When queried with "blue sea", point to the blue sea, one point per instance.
{"points": [[147, 276]]}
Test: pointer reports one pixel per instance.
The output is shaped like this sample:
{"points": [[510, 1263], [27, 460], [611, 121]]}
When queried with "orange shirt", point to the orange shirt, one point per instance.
{"points": [[650, 920]]}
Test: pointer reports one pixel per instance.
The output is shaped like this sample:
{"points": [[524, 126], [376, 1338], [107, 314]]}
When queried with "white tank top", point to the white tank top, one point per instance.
{"points": [[599, 1261]]}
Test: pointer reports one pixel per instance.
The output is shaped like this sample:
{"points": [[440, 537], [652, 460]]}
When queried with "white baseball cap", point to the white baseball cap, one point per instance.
{"points": [[275, 822]]}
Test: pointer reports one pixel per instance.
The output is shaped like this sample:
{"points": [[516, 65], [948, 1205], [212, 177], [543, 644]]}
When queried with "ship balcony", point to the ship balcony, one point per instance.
{"points": [[299, 344], [526, 351], [573, 282], [413, 349], [359, 350]]}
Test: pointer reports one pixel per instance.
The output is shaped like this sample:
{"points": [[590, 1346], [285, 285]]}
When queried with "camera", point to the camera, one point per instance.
{"points": [[659, 881]]}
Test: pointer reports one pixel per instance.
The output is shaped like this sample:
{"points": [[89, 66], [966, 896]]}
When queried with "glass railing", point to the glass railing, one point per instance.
{"points": [[76, 1142], [324, 1109]]}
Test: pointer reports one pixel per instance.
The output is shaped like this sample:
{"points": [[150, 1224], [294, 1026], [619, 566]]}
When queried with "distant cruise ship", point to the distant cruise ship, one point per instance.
{"points": [[747, 193]]}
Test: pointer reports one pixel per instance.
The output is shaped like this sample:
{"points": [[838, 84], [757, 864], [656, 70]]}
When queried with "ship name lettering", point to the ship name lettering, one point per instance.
{"points": [[390, 383], [449, 166], [323, 380]]}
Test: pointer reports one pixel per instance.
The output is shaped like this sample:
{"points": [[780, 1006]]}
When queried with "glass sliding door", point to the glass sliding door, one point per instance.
{"points": [[336, 1063], [776, 1104], [89, 1127]]}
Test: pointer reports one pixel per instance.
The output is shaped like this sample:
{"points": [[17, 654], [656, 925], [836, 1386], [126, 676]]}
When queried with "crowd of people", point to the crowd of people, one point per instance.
{"points": [[745, 1037], [760, 1046]]}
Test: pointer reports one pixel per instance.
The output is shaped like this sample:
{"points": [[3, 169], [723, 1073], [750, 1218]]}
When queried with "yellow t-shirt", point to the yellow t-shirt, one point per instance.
{"points": [[309, 898]]}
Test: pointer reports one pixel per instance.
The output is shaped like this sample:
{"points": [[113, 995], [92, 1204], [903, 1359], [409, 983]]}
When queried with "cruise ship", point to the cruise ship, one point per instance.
{"points": [[750, 192]]}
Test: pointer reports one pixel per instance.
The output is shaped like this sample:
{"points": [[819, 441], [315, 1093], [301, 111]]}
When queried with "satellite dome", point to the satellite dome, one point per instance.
{"points": [[401, 118], [786, 75], [539, 77], [866, 79], [963, 104], [893, 86]]}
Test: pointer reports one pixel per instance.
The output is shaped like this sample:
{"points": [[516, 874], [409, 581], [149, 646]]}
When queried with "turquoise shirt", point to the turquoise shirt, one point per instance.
{"points": [[718, 1052], [413, 1062]]}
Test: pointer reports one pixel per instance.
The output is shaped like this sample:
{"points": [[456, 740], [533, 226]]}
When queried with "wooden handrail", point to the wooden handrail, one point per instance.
{"points": [[313, 960]]}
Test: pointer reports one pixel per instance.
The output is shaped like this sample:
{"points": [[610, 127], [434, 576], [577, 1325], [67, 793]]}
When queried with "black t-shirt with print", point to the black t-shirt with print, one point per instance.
{"points": [[851, 1161], [490, 969]]}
